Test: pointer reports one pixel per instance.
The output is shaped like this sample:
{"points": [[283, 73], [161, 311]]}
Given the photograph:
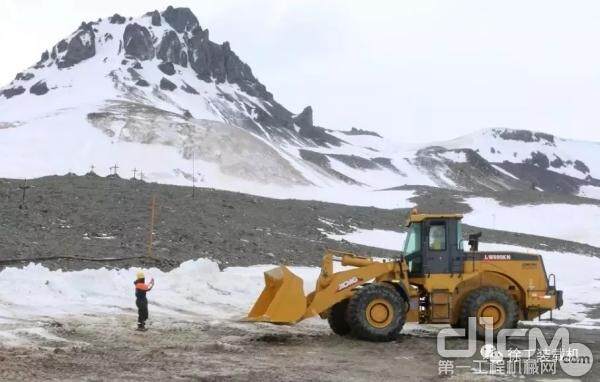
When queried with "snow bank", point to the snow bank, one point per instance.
{"points": [[198, 289], [195, 288], [550, 220]]}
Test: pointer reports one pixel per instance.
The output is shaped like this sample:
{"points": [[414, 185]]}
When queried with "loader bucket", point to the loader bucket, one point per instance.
{"points": [[282, 301]]}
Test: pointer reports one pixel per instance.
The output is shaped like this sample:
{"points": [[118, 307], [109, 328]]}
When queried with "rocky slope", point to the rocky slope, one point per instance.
{"points": [[154, 93]]}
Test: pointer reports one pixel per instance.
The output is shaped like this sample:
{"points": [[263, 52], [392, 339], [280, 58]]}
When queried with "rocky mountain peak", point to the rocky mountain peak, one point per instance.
{"points": [[304, 119], [181, 19], [154, 57]]}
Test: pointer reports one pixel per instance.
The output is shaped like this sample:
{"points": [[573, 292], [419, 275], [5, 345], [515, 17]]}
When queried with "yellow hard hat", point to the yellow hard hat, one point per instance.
{"points": [[139, 275]]}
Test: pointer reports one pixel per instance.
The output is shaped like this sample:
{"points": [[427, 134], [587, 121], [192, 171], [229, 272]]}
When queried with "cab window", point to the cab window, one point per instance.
{"points": [[413, 240], [437, 237], [412, 249]]}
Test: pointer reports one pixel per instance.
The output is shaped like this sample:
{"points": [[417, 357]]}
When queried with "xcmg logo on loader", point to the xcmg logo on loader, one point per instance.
{"points": [[348, 283]]}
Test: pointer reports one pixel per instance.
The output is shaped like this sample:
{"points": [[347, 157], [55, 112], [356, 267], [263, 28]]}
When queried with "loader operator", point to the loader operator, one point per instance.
{"points": [[140, 298], [437, 239]]}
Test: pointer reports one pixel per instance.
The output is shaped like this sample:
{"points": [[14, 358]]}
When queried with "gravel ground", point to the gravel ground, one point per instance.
{"points": [[108, 219], [108, 349]]}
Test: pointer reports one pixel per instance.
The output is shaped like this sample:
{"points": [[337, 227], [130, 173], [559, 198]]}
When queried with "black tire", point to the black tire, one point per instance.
{"points": [[337, 318], [487, 296], [376, 296]]}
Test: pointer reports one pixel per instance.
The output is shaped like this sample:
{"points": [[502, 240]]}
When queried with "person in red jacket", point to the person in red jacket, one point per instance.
{"points": [[140, 298]]}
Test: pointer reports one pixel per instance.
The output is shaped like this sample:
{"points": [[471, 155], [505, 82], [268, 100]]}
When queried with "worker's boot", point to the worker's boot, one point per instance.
{"points": [[141, 326]]}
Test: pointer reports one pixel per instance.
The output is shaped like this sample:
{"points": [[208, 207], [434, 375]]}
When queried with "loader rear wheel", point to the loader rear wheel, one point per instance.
{"points": [[491, 302], [376, 313], [337, 318]]}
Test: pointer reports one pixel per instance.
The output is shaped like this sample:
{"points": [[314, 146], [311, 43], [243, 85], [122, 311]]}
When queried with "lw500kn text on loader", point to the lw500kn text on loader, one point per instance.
{"points": [[435, 281]]}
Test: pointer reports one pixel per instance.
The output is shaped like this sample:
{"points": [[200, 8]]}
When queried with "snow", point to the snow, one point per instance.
{"points": [[454, 156], [503, 171], [549, 220], [198, 289], [590, 192], [516, 151], [379, 238], [195, 288]]}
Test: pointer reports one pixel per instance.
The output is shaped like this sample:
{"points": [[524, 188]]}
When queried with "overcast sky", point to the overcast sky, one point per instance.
{"points": [[412, 70]]}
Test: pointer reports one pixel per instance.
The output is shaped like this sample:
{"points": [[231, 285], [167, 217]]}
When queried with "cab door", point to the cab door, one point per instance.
{"points": [[436, 248], [442, 247]]}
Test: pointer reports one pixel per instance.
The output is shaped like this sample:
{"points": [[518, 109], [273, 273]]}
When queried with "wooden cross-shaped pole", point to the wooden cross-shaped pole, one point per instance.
{"points": [[24, 187], [92, 168], [114, 168], [134, 172]]}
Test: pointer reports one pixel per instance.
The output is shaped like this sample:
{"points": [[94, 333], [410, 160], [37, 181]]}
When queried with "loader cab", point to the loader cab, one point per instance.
{"points": [[434, 244]]}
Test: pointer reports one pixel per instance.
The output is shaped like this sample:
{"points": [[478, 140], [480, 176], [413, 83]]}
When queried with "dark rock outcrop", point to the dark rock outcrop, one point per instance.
{"points": [[355, 131], [538, 159], [24, 76], [183, 60], [156, 20], [557, 162], [188, 89], [355, 161], [81, 47], [170, 48], [142, 82], [581, 167], [11, 92], [304, 119], [322, 161], [524, 136], [387, 163], [116, 19], [167, 68], [62, 46], [138, 42], [40, 88], [167, 85], [181, 19]]}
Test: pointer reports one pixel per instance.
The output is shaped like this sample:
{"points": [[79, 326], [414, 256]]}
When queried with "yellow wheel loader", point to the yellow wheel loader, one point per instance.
{"points": [[435, 281]]}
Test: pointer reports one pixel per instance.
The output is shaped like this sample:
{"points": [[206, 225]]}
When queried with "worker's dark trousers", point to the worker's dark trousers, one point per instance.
{"points": [[142, 305]]}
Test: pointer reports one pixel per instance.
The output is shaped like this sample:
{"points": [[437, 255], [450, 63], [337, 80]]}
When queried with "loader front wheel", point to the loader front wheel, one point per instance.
{"points": [[376, 313], [337, 318]]}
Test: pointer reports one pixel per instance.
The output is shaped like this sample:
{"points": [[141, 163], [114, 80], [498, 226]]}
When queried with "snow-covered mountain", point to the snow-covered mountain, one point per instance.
{"points": [[154, 93]]}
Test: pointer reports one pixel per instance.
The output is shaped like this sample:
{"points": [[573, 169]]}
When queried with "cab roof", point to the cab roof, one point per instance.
{"points": [[418, 218]]}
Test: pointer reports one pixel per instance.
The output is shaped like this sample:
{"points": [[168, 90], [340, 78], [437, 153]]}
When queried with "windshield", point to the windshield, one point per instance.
{"points": [[413, 240]]}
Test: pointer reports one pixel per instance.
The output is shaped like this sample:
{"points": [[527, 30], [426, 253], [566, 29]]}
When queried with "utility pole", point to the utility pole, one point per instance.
{"points": [[114, 168], [141, 175], [151, 234], [24, 187], [134, 172]]}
